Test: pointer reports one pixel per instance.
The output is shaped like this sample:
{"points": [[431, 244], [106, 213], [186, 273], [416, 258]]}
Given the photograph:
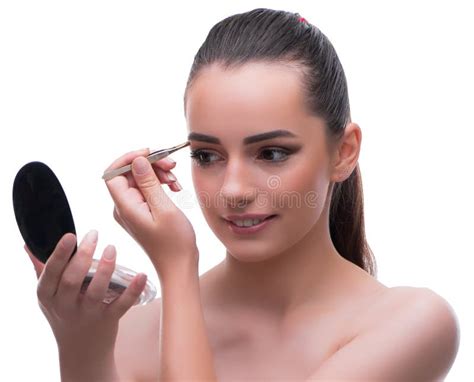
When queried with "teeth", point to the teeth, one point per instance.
{"points": [[246, 222]]}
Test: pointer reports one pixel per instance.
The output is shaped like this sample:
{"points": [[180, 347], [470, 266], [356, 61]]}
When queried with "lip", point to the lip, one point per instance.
{"points": [[247, 216], [253, 229]]}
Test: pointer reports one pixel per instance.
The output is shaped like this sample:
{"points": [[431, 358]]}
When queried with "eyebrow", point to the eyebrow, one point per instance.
{"points": [[247, 141]]}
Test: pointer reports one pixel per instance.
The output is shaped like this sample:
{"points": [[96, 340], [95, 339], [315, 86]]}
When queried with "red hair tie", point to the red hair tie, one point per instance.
{"points": [[303, 20]]}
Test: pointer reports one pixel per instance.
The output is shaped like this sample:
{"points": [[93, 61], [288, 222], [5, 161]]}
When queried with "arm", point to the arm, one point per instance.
{"points": [[418, 342], [144, 210], [87, 365], [141, 330], [185, 352]]}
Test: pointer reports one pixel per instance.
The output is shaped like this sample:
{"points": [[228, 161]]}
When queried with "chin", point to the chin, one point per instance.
{"points": [[251, 251], [248, 257]]}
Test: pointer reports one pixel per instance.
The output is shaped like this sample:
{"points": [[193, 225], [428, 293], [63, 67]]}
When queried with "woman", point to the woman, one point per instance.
{"points": [[274, 150]]}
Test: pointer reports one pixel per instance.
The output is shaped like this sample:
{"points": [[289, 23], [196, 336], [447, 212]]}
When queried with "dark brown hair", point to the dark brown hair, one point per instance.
{"points": [[267, 35]]}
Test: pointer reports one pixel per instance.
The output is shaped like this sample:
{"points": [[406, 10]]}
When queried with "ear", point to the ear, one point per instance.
{"points": [[346, 153]]}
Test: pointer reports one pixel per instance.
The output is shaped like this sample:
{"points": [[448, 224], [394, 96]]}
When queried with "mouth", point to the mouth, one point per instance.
{"points": [[248, 220], [249, 226]]}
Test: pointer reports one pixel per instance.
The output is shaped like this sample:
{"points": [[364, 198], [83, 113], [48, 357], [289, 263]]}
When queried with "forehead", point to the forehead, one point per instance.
{"points": [[255, 95]]}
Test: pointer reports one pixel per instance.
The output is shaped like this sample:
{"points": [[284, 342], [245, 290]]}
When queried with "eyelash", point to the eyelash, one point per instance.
{"points": [[196, 155]]}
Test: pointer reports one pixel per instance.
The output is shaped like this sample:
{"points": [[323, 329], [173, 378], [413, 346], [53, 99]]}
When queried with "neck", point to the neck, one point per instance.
{"points": [[308, 271]]}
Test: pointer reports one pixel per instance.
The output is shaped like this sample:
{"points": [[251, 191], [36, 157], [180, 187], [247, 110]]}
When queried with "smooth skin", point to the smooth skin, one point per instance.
{"points": [[285, 306], [85, 328], [288, 306]]}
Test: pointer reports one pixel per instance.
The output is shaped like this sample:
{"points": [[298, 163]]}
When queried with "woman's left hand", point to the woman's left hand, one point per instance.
{"points": [[144, 210]]}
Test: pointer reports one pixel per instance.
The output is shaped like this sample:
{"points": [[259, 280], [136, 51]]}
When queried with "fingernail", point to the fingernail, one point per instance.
{"points": [[179, 185], [69, 240], [92, 236], [140, 165], [141, 278], [171, 176], [170, 161], [109, 252]]}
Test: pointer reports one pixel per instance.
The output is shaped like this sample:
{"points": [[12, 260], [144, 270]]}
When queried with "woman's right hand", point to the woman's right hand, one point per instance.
{"points": [[81, 322]]}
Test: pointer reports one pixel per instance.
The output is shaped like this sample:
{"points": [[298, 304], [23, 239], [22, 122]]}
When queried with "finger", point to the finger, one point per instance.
{"points": [[125, 181], [76, 271], [121, 221], [150, 187], [97, 289], [123, 190], [170, 179], [129, 296], [175, 186], [38, 265], [126, 201], [165, 176], [127, 158], [117, 216], [162, 172], [165, 164], [54, 267]]}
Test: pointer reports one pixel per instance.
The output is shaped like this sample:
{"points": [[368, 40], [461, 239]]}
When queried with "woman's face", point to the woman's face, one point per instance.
{"points": [[233, 174]]}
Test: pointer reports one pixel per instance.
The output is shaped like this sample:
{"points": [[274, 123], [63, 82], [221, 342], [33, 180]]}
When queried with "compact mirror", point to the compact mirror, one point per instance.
{"points": [[41, 209], [43, 216]]}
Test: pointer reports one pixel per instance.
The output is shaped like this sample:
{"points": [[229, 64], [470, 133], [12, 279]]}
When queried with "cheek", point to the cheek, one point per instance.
{"points": [[201, 182], [313, 177], [306, 176], [205, 189], [302, 193]]}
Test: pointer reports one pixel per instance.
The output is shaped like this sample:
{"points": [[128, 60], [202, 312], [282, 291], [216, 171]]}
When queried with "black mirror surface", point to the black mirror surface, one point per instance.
{"points": [[41, 209]]}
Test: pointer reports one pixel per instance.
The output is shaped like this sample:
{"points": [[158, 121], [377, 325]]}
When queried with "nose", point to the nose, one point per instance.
{"points": [[237, 188]]}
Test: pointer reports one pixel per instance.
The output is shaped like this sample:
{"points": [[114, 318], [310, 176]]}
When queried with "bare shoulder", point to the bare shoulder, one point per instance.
{"points": [[438, 314], [421, 309], [417, 300], [136, 348], [413, 334], [405, 300]]}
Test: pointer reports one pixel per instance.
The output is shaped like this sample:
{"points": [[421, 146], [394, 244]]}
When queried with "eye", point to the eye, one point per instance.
{"points": [[278, 153], [203, 158]]}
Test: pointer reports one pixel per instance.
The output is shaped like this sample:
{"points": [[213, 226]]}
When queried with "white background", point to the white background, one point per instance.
{"points": [[81, 83]]}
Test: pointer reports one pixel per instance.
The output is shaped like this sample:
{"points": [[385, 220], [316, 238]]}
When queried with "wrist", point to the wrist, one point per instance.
{"points": [[88, 366], [177, 267]]}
